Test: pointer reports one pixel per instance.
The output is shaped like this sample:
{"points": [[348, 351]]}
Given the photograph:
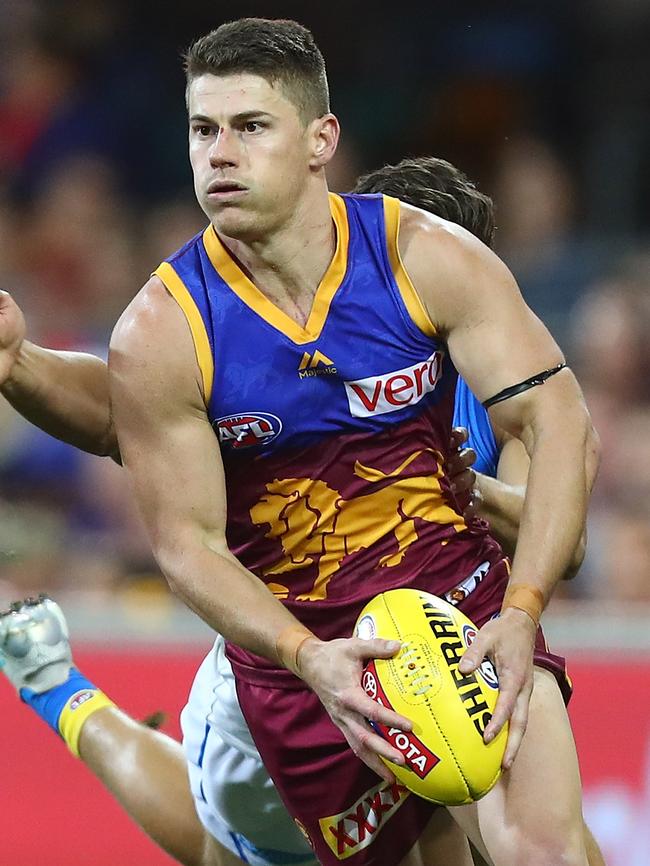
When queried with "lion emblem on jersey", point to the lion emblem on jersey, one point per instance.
{"points": [[315, 524]]}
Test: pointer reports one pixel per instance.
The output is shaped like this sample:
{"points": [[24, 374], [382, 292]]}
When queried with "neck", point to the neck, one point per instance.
{"points": [[290, 261]]}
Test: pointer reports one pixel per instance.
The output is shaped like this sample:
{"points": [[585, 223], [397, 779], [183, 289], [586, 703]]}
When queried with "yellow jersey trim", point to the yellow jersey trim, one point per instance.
{"points": [[179, 291], [411, 299], [247, 291]]}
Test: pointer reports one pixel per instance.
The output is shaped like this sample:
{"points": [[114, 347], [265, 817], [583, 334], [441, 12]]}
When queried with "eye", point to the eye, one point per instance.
{"points": [[253, 126], [202, 130]]}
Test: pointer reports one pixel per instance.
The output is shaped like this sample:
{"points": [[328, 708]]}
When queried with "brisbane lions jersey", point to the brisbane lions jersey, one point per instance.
{"points": [[333, 434]]}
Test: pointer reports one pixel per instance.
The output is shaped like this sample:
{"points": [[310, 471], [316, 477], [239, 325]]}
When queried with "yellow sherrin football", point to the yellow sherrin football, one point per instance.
{"points": [[447, 760]]}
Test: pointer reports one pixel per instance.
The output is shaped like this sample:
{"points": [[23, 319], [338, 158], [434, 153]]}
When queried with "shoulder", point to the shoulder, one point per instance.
{"points": [[425, 234], [448, 265], [141, 340], [151, 315]]}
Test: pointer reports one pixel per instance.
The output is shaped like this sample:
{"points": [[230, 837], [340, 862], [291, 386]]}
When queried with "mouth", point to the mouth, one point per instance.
{"points": [[223, 190]]}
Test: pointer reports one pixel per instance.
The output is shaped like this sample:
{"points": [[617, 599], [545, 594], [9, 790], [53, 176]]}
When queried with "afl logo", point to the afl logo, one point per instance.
{"points": [[80, 699], [486, 670], [251, 428]]}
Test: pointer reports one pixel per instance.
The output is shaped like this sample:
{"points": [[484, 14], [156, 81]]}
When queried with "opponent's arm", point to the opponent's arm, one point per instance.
{"points": [[500, 500], [63, 393], [473, 301], [172, 455]]}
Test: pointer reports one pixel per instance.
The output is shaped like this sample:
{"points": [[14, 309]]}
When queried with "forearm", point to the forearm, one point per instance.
{"points": [[554, 510], [231, 599], [65, 394], [501, 505]]}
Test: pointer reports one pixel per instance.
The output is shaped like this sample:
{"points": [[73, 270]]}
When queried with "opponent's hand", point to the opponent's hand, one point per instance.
{"points": [[333, 670], [461, 475], [508, 642], [12, 334]]}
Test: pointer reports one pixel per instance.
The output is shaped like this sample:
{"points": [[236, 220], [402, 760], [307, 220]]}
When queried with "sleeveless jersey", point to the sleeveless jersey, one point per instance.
{"points": [[469, 413], [333, 435]]}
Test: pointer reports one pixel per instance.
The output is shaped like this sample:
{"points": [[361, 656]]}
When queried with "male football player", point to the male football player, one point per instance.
{"points": [[311, 389], [284, 279]]}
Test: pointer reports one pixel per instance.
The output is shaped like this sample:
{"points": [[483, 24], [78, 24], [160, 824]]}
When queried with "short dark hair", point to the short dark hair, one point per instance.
{"points": [[279, 51], [437, 186]]}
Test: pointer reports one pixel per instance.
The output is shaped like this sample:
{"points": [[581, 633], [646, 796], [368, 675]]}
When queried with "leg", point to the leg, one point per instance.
{"points": [[594, 854], [442, 843], [534, 814], [146, 772]]}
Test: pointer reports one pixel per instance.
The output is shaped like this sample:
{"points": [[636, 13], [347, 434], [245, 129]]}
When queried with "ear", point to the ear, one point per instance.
{"points": [[324, 137]]}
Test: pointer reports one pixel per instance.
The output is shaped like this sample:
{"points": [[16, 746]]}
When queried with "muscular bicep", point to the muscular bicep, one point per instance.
{"points": [[165, 437], [473, 301]]}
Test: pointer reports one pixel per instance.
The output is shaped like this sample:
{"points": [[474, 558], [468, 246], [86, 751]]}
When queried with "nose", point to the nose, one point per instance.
{"points": [[224, 149]]}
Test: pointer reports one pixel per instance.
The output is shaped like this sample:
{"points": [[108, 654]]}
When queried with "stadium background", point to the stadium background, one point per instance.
{"points": [[547, 110]]}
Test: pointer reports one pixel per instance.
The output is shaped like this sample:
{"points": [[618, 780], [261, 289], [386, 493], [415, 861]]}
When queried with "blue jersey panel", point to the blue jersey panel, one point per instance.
{"points": [[469, 413], [365, 367]]}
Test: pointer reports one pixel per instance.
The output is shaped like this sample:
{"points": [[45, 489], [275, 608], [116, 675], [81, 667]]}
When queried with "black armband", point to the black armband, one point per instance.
{"points": [[513, 390]]}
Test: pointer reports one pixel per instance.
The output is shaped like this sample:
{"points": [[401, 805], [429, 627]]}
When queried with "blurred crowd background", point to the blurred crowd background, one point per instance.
{"points": [[545, 106]]}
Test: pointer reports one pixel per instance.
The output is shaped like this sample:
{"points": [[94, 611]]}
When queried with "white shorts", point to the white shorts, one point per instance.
{"points": [[235, 798]]}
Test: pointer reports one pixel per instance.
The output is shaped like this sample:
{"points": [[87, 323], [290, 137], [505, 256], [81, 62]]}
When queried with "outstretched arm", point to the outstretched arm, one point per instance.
{"points": [[63, 393]]}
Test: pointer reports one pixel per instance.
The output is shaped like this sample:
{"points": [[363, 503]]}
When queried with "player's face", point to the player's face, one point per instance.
{"points": [[250, 153]]}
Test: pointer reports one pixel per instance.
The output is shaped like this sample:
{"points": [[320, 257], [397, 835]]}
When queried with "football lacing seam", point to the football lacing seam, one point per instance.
{"points": [[420, 680]]}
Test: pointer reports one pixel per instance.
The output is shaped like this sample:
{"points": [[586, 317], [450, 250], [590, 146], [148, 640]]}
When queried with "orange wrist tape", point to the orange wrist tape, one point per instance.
{"points": [[288, 644], [524, 597]]}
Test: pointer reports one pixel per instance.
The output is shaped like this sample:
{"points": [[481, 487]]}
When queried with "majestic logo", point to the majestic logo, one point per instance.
{"points": [[487, 668], [353, 830], [315, 365], [418, 757], [317, 526], [465, 587], [252, 428], [390, 392]]}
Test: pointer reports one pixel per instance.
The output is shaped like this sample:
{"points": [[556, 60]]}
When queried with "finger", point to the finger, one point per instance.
{"points": [[461, 460], [474, 654], [467, 457], [459, 436], [471, 510], [509, 690], [464, 481], [376, 764], [376, 648], [359, 702], [366, 742], [517, 728]]}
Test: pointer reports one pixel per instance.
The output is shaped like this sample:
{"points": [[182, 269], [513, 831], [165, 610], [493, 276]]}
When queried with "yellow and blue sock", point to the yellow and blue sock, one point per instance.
{"points": [[67, 706]]}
